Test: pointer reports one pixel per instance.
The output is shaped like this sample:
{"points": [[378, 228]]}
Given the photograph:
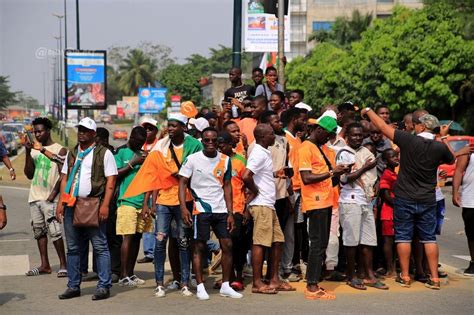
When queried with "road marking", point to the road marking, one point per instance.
{"points": [[463, 257], [14, 265], [19, 240], [14, 188]]}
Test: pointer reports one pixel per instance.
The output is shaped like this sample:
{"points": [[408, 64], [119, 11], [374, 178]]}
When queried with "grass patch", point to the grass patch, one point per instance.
{"points": [[21, 180], [72, 138]]}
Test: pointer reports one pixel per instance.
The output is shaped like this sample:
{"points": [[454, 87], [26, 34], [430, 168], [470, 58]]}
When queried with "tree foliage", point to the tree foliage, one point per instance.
{"points": [[416, 58], [6, 95], [136, 70]]}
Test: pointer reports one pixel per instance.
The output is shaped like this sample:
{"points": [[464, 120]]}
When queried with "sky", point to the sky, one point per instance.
{"points": [[28, 27]]}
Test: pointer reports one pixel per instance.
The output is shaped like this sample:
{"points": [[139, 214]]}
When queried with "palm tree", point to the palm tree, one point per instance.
{"points": [[137, 70]]}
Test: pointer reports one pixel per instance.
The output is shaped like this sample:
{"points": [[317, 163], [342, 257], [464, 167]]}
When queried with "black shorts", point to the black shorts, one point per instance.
{"points": [[468, 218], [203, 223]]}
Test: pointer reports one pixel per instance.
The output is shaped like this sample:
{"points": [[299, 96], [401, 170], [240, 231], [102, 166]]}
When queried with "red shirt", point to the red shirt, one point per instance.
{"points": [[387, 181]]}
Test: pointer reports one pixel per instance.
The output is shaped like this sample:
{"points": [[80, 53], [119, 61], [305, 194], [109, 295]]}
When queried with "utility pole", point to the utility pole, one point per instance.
{"points": [[237, 35], [281, 42], [78, 42], [58, 78], [66, 141]]}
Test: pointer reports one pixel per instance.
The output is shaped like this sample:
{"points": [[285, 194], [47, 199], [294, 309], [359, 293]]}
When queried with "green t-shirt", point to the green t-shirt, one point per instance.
{"points": [[123, 156]]}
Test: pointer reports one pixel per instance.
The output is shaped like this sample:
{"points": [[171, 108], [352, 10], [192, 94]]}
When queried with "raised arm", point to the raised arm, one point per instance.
{"points": [[378, 122]]}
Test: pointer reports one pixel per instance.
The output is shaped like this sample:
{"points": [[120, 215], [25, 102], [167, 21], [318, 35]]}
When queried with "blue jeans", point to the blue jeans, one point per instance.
{"points": [[74, 241], [149, 244], [409, 215], [164, 216]]}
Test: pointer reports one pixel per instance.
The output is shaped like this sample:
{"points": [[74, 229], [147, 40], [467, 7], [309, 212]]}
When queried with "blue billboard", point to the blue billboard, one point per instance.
{"points": [[151, 100], [86, 79]]}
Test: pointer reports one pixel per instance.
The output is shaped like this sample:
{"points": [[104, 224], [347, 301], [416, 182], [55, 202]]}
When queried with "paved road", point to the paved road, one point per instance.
{"points": [[112, 128], [20, 294]]}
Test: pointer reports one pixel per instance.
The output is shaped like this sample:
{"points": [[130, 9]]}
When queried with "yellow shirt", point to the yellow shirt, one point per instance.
{"points": [[317, 195]]}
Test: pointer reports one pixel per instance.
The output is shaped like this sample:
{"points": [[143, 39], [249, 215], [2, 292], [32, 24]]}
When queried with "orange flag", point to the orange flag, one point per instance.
{"points": [[153, 175]]}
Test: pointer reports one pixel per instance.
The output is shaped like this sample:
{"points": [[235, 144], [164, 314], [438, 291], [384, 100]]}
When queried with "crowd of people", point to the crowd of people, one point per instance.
{"points": [[336, 194]]}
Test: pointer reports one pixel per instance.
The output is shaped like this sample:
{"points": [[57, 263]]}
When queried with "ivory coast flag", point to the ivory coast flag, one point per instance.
{"points": [[155, 173]]}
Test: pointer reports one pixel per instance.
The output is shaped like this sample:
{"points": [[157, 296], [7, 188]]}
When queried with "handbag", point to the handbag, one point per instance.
{"points": [[86, 212]]}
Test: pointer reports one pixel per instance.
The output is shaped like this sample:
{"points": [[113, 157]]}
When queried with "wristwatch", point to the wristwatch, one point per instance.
{"points": [[367, 109], [43, 150], [3, 207], [331, 173]]}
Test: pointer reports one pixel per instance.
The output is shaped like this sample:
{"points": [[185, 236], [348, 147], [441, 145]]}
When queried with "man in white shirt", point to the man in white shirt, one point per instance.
{"points": [[259, 179], [90, 172], [357, 217], [209, 174]]}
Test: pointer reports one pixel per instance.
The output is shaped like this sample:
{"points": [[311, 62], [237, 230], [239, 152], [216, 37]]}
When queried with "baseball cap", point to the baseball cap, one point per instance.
{"points": [[88, 123], [201, 123], [430, 121], [327, 123], [303, 106], [148, 120], [178, 117]]}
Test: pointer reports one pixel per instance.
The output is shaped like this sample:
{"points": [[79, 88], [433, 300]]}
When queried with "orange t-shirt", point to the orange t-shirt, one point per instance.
{"points": [[240, 149], [169, 197], [247, 125], [295, 144], [317, 195], [238, 190]]}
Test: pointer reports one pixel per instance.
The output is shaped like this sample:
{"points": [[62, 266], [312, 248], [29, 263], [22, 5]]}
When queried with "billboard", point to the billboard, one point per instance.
{"points": [[86, 79], [261, 27], [151, 100], [129, 106]]}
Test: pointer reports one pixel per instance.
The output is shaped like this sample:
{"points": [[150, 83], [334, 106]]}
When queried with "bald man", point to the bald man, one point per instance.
{"points": [[260, 180]]}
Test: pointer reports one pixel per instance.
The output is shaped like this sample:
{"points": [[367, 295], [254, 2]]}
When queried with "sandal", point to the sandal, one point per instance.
{"points": [[62, 273], [36, 272], [404, 283], [377, 285], [321, 294], [237, 286], [357, 284], [284, 286], [264, 290]]}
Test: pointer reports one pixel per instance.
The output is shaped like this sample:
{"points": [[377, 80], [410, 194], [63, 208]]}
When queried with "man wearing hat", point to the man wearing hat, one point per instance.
{"points": [[151, 127], [355, 207], [415, 198], [90, 173], [316, 167]]}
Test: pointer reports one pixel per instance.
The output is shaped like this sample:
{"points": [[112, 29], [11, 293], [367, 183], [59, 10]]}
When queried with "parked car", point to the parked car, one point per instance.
{"points": [[456, 143], [120, 135], [10, 143]]}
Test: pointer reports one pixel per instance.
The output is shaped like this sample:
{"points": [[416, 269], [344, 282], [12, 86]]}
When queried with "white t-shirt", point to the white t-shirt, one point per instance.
{"points": [[357, 191], [467, 192], [261, 165], [207, 180], [85, 185]]}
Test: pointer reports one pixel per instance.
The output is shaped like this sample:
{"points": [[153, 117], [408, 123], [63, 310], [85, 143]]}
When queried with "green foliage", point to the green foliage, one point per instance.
{"points": [[413, 59], [136, 70], [6, 95], [182, 80]]}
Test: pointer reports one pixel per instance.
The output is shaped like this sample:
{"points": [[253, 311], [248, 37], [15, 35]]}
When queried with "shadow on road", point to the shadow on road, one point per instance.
{"points": [[10, 296]]}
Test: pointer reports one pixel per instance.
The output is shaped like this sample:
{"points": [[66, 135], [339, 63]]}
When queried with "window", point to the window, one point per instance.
{"points": [[322, 25]]}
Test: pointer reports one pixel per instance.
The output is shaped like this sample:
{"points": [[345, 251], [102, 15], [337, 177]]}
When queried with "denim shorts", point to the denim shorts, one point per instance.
{"points": [[410, 215]]}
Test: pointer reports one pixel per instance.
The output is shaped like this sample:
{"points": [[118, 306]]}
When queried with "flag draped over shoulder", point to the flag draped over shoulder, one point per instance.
{"points": [[155, 174]]}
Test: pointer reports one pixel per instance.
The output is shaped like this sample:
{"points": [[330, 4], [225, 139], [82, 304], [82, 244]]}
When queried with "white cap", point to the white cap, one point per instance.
{"points": [[148, 120], [303, 106], [201, 123], [178, 117], [88, 123]]}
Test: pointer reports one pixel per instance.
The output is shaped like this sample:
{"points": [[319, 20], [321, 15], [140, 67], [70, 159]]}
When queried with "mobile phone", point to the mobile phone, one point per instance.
{"points": [[288, 171]]}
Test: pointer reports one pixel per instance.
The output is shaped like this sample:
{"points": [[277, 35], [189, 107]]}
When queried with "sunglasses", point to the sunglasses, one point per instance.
{"points": [[149, 127], [207, 140]]}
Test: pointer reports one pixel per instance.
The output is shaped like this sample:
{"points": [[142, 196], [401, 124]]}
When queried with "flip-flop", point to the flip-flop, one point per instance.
{"points": [[36, 272], [321, 294], [62, 273], [357, 284], [264, 290], [377, 285], [285, 287]]}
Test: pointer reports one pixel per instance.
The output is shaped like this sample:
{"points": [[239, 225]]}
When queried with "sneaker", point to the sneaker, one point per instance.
{"points": [[115, 278], [434, 285], [470, 270], [160, 291], [201, 293], [185, 291], [173, 285], [229, 292], [127, 282], [335, 276], [137, 280], [101, 294]]}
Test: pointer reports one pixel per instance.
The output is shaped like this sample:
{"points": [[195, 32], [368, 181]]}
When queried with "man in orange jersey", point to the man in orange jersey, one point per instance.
{"points": [[317, 175]]}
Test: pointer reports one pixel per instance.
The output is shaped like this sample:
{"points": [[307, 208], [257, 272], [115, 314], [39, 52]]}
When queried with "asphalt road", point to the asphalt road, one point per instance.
{"points": [[21, 294]]}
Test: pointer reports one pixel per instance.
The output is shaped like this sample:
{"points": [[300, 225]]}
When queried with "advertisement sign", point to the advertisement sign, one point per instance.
{"points": [[175, 100], [261, 27], [151, 100], [86, 79], [130, 106]]}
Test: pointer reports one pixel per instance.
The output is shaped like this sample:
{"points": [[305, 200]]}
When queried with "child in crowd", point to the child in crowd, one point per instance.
{"points": [[387, 181]]}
